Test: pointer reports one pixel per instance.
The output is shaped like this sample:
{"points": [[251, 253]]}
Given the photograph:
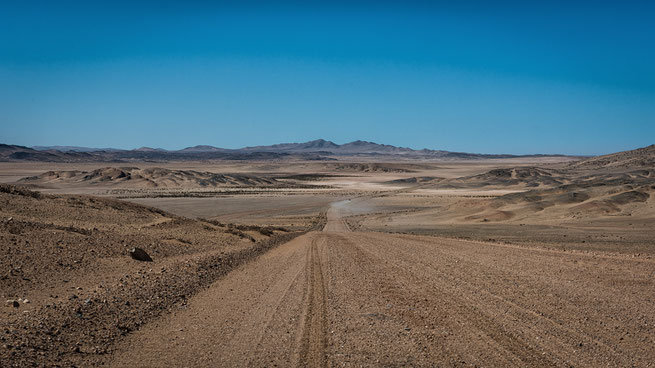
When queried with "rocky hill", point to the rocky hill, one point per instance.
{"points": [[149, 178], [638, 158]]}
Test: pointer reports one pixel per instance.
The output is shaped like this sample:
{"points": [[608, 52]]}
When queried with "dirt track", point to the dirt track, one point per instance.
{"points": [[337, 298]]}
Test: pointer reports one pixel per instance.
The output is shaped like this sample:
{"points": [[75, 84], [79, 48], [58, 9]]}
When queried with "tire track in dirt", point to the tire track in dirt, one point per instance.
{"points": [[458, 307], [552, 324], [277, 311], [479, 342], [524, 312], [313, 338], [248, 318], [569, 282], [341, 298]]}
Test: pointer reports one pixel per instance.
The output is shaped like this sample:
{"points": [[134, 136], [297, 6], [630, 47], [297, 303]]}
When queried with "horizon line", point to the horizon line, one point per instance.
{"points": [[111, 147]]}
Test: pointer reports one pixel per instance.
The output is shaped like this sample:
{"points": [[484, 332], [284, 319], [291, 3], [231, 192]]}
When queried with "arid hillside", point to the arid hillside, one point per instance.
{"points": [[134, 177], [638, 158], [527, 177], [71, 286], [373, 167], [622, 194]]}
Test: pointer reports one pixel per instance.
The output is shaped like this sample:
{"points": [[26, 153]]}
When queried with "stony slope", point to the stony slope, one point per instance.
{"points": [[625, 194], [134, 177], [638, 158], [65, 261]]}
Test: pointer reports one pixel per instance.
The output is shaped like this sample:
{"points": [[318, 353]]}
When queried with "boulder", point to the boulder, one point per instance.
{"points": [[140, 255]]}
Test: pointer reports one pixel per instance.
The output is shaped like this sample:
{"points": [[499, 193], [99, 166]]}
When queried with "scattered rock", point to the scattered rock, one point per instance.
{"points": [[13, 303], [140, 255], [26, 301]]}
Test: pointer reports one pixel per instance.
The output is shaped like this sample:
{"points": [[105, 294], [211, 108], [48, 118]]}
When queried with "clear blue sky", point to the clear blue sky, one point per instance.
{"points": [[516, 77]]}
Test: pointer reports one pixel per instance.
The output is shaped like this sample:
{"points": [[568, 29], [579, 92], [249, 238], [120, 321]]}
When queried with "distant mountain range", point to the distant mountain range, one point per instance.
{"points": [[313, 150], [73, 148]]}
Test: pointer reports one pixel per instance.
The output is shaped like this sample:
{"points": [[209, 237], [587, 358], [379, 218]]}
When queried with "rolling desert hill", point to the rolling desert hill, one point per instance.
{"points": [[67, 260], [583, 199], [134, 177], [638, 158], [618, 188], [546, 195], [524, 176], [633, 167], [373, 167]]}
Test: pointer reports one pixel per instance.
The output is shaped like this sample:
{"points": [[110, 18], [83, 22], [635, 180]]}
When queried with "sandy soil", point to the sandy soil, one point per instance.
{"points": [[494, 263], [65, 264], [337, 298], [280, 210]]}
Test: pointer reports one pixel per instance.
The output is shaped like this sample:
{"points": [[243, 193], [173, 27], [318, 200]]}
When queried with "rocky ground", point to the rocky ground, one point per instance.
{"points": [[342, 298], [449, 264], [73, 291]]}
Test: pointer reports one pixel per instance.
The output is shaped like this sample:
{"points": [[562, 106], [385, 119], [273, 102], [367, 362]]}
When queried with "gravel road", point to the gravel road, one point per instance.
{"points": [[342, 298]]}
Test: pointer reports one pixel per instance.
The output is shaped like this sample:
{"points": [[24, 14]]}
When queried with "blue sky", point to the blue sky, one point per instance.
{"points": [[516, 77]]}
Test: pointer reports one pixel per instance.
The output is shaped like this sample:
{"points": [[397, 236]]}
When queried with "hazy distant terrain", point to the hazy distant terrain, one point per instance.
{"points": [[313, 150]]}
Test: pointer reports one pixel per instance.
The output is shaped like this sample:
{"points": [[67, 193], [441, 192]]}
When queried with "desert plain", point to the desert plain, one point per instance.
{"points": [[357, 261]]}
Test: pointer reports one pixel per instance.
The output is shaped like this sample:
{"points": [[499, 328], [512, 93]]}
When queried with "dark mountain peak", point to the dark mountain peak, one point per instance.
{"points": [[74, 149], [311, 146], [149, 149], [202, 148], [360, 143], [360, 146], [11, 147], [320, 143]]}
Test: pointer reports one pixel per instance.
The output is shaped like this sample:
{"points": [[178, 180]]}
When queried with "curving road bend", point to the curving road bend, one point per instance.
{"points": [[341, 298]]}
